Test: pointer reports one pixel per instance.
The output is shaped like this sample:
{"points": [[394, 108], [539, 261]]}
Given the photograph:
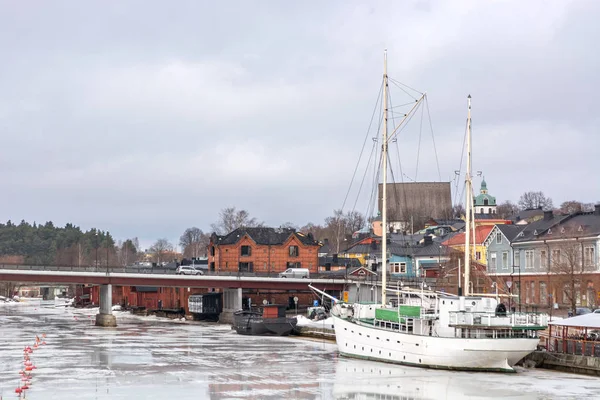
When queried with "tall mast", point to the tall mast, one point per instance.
{"points": [[469, 204], [384, 151]]}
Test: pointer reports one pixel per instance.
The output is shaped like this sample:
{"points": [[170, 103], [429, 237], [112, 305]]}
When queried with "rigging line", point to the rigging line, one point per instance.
{"points": [[405, 120], [462, 156], [403, 105], [405, 210], [363, 147], [398, 210], [376, 169], [400, 83], [373, 151], [419, 145], [437, 161], [404, 90]]}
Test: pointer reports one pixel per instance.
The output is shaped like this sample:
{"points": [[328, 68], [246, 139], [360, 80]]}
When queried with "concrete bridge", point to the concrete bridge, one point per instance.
{"points": [[231, 285]]}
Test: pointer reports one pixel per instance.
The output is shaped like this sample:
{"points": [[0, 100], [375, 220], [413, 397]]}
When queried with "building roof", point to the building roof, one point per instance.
{"points": [[510, 232], [341, 261], [580, 224], [264, 236], [528, 215], [432, 250], [481, 233], [533, 230], [591, 320]]}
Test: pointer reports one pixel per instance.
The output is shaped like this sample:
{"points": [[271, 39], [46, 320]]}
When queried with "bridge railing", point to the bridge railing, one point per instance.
{"points": [[151, 270]]}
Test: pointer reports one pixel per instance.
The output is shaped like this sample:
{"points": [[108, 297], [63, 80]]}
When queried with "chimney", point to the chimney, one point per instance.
{"points": [[597, 209], [427, 240], [548, 215], [325, 242]]}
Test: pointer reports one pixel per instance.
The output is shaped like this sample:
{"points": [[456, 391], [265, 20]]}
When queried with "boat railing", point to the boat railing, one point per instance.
{"points": [[491, 319]]}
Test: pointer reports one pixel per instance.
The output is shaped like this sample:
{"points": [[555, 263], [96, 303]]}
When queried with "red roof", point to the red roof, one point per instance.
{"points": [[481, 233]]}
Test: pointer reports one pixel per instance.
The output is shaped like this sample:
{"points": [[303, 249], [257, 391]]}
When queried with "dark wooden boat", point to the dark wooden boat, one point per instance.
{"points": [[270, 320]]}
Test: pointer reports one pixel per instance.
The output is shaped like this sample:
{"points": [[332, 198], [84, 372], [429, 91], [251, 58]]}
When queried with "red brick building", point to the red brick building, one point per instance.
{"points": [[263, 251]]}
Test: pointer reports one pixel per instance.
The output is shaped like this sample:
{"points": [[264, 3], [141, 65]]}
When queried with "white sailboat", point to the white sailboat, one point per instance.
{"points": [[430, 329]]}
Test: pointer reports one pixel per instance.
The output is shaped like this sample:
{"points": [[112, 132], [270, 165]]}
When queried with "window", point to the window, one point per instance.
{"points": [[555, 256], [486, 202], [543, 293], [566, 298], [505, 260], [528, 259], [212, 250], [493, 261], [588, 254], [246, 267], [478, 255], [517, 258], [499, 237], [293, 251], [533, 296], [543, 260], [398, 268], [294, 265], [246, 251]]}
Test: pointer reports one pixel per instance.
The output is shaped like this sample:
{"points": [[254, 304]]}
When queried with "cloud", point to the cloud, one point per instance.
{"points": [[148, 125]]}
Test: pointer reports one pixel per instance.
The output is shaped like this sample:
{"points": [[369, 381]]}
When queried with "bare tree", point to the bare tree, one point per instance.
{"points": [[160, 248], [340, 227], [567, 267], [458, 211], [288, 225], [533, 200], [354, 221], [194, 242], [507, 209], [319, 232], [230, 219]]}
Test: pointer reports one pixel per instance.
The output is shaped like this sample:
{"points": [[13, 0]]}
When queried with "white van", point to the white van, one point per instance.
{"points": [[295, 273]]}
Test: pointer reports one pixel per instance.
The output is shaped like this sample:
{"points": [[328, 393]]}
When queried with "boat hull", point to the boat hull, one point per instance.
{"points": [[254, 324], [366, 342]]}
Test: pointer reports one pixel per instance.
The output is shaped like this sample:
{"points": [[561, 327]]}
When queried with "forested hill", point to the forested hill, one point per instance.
{"points": [[48, 244]]}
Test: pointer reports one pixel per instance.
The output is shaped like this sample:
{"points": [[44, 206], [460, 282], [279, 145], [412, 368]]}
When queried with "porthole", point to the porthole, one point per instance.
{"points": [[419, 360]]}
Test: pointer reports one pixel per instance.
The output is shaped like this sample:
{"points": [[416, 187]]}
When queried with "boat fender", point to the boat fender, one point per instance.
{"points": [[501, 310]]}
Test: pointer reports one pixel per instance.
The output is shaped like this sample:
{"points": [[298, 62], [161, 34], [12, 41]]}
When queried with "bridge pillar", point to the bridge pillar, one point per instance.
{"points": [[232, 302], [104, 317]]}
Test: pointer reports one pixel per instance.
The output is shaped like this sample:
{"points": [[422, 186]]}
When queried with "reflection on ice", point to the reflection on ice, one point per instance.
{"points": [[357, 379], [151, 358]]}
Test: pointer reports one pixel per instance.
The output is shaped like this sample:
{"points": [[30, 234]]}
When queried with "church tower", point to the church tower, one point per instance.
{"points": [[484, 203]]}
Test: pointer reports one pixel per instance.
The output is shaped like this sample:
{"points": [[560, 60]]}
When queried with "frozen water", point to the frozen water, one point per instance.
{"points": [[152, 358]]}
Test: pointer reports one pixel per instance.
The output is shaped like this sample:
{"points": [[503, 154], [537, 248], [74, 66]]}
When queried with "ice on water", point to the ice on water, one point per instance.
{"points": [[152, 358]]}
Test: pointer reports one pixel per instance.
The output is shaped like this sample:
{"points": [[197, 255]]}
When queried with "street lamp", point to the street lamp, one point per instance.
{"points": [[509, 284], [513, 271], [96, 246], [107, 233]]}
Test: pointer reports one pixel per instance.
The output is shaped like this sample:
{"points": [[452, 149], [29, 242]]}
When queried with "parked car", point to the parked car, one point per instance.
{"points": [[579, 311], [188, 270], [295, 273], [597, 311]]}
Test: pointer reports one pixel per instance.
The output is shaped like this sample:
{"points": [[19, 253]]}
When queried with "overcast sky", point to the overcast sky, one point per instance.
{"points": [[145, 117]]}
